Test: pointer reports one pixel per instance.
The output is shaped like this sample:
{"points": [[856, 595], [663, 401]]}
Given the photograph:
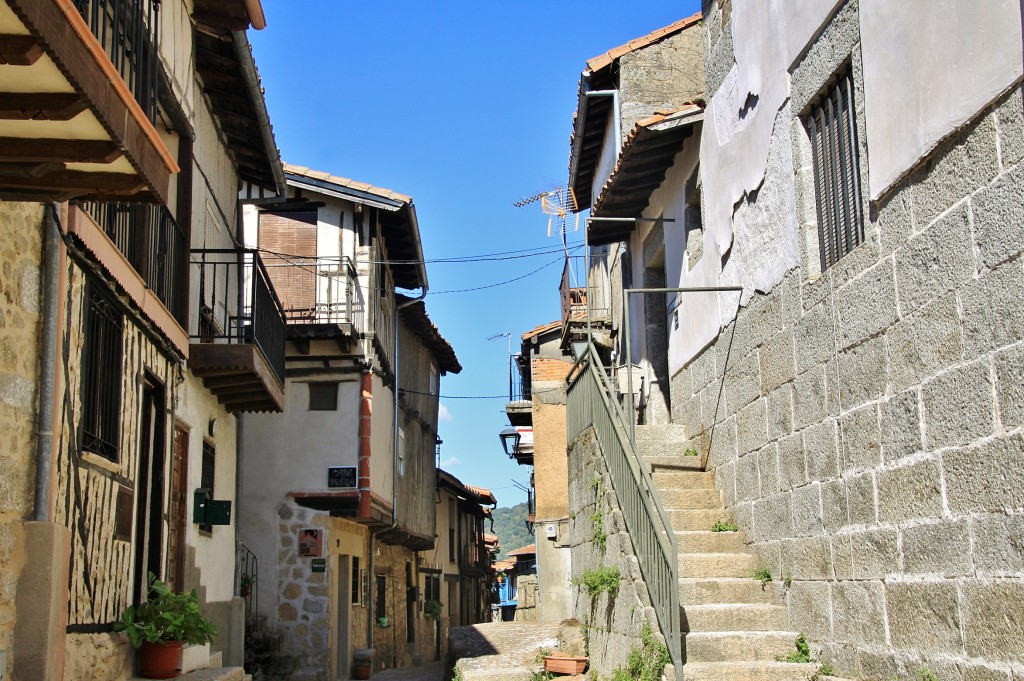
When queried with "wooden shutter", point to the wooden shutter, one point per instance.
{"points": [[288, 247]]}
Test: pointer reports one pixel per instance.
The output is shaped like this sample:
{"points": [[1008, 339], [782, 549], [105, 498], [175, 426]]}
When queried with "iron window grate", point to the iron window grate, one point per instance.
{"points": [[101, 383], [831, 125]]}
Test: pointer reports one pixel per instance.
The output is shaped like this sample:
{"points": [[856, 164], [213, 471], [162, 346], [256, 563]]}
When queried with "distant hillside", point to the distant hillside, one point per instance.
{"points": [[510, 526]]}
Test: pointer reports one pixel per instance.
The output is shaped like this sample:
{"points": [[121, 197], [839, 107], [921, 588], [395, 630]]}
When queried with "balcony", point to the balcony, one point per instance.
{"points": [[519, 407], [320, 297], [578, 296], [238, 336], [77, 99]]}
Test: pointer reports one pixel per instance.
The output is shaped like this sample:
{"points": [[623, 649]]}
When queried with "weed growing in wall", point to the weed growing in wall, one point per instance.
{"points": [[596, 582], [645, 663], [724, 526], [802, 654], [763, 574]]}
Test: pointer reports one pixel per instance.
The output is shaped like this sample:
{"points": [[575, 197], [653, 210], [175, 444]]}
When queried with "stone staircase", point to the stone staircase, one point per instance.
{"points": [[734, 627]]}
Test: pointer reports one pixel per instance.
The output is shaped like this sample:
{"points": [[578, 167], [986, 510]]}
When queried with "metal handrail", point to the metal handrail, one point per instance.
{"points": [[590, 403]]}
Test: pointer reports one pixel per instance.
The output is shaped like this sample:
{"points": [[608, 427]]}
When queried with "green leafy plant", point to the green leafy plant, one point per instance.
{"points": [[166, 616], [787, 580], [600, 536], [599, 581], [456, 674], [826, 669], [925, 674], [432, 609], [247, 580], [802, 653], [724, 526], [763, 574], [541, 675], [645, 663], [586, 637], [691, 451]]}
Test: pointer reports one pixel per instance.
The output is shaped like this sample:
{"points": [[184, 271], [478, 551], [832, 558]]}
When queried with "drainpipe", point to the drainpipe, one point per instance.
{"points": [[365, 423], [48, 361]]}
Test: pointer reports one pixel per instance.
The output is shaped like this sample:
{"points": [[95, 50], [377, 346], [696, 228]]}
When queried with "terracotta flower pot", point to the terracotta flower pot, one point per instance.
{"points": [[362, 670], [564, 664], [160, 660]]}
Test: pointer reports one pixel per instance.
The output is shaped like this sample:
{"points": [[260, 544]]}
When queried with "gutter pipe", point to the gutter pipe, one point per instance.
{"points": [[48, 362]]}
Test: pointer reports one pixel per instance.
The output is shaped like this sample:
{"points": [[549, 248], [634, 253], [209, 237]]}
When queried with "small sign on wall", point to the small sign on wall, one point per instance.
{"points": [[341, 476], [319, 565], [311, 542]]}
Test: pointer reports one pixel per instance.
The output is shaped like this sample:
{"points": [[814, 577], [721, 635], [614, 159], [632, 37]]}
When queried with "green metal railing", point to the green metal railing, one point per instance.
{"points": [[590, 403]]}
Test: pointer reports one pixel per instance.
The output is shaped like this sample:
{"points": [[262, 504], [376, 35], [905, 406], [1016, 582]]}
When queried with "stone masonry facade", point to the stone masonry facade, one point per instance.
{"points": [[865, 423], [611, 625]]}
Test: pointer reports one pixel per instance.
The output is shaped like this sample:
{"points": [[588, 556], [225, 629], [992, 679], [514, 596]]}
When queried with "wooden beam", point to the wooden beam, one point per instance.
{"points": [[228, 22], [29, 168], [77, 180], [19, 50], [21, 149], [40, 106]]}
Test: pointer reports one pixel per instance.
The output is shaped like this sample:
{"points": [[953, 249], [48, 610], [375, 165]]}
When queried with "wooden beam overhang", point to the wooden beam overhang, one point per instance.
{"points": [[64, 103], [238, 375]]}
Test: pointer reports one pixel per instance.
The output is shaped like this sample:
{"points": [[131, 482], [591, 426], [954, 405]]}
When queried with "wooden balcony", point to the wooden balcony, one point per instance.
{"points": [[237, 340], [77, 99]]}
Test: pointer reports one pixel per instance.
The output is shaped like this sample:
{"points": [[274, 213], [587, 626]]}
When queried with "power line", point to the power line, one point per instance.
{"points": [[500, 283]]}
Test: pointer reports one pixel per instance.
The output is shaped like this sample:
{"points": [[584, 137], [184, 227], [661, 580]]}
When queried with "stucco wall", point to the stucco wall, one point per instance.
{"points": [[868, 436], [20, 254]]}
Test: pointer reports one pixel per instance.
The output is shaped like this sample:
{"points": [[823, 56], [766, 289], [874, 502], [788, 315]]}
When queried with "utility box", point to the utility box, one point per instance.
{"points": [[207, 511]]}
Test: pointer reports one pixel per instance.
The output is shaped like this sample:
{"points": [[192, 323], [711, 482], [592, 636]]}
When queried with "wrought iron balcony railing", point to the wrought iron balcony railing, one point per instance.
{"points": [[154, 244], [237, 303], [317, 290], [128, 30]]}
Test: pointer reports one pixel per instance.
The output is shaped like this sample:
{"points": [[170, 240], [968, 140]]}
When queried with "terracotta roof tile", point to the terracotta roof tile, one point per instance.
{"points": [[524, 551], [601, 61], [541, 329], [346, 182]]}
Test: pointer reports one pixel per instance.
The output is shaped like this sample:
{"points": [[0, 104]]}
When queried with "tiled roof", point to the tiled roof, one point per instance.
{"points": [[302, 171], [486, 495], [541, 329], [611, 55], [527, 550]]}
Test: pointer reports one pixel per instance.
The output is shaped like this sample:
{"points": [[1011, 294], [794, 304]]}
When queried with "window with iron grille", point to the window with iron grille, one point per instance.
{"points": [[832, 127], [101, 374]]}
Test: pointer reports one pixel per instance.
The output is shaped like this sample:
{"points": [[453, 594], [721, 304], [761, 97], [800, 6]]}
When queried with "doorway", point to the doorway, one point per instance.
{"points": [[149, 518], [656, 406], [178, 510], [345, 592]]}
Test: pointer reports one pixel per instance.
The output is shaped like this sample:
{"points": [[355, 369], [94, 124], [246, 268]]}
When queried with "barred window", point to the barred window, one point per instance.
{"points": [[101, 374], [831, 125]]}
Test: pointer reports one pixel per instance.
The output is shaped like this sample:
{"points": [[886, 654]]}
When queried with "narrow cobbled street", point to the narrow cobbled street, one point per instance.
{"points": [[428, 672]]}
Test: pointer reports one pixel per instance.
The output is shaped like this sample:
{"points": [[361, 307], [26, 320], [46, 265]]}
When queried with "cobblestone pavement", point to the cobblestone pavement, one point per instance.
{"points": [[434, 671]]}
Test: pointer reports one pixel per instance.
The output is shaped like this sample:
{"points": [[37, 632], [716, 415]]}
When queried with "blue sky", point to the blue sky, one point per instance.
{"points": [[467, 107]]}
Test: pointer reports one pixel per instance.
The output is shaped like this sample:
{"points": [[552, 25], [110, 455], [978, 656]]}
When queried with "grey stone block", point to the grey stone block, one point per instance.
{"points": [[752, 427], [998, 546], [792, 467], [1011, 130], [768, 469], [807, 513], [825, 55], [936, 260], [896, 221], [744, 515], [722, 438], [1010, 386], [862, 373], [866, 305], [988, 477], [924, 343], [924, 616], [858, 612], [959, 406], [993, 620], [742, 382], [713, 404], [861, 442], [725, 480], [861, 499], [996, 214], [815, 335], [757, 322], [810, 398], [874, 553], [901, 426], [834, 506], [778, 363], [991, 310], [773, 518], [821, 451], [909, 492], [968, 161], [748, 481], [702, 367], [720, 58], [810, 605], [807, 558], [780, 412], [942, 548]]}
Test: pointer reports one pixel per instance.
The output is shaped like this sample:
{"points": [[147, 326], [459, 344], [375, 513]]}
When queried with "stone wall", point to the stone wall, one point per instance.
{"points": [[868, 432], [611, 624], [20, 254]]}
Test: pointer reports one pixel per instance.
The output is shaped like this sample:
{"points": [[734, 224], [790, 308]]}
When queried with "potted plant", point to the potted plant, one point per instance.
{"points": [[382, 622], [245, 585], [161, 626], [432, 609]]}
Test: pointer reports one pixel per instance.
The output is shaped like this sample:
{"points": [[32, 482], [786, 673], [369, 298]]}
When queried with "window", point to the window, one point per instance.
{"points": [[380, 603], [451, 530], [831, 125], [207, 476], [401, 451], [101, 375], [323, 396], [356, 588]]}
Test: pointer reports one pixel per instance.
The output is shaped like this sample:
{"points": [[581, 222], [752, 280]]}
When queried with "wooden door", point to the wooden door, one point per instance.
{"points": [[178, 510]]}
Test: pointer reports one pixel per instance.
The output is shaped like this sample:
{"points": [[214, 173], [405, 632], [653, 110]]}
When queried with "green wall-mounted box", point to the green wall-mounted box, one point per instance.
{"points": [[207, 511]]}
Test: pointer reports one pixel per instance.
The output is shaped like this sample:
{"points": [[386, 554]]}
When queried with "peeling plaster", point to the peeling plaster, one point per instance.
{"points": [[934, 95]]}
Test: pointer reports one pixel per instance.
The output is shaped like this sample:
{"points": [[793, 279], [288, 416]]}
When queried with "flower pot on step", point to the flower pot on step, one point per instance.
{"points": [[160, 660], [564, 664]]}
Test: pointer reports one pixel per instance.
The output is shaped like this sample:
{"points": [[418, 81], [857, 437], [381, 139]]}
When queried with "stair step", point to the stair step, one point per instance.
{"points": [[711, 542], [658, 461], [746, 646], [695, 520], [667, 433], [734, 617], [717, 564], [690, 499], [685, 479], [748, 671], [710, 590]]}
